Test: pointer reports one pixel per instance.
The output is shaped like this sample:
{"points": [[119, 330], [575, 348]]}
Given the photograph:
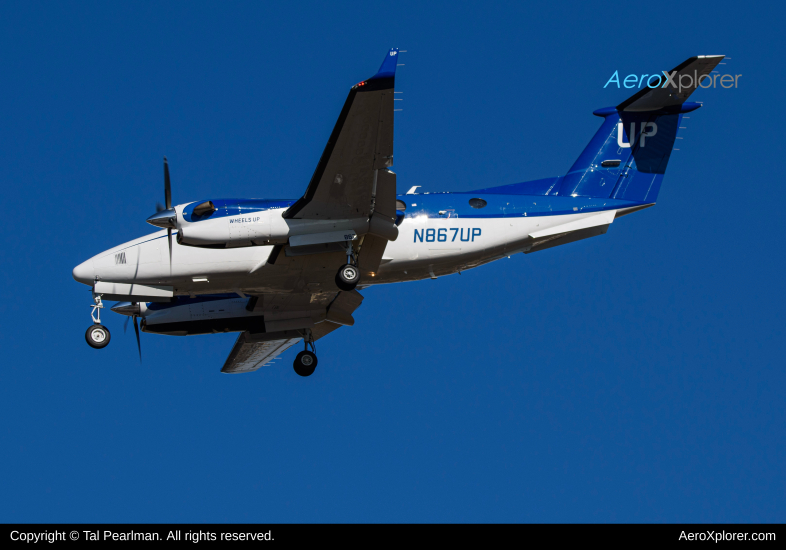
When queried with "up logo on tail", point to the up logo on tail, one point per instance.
{"points": [[648, 129]]}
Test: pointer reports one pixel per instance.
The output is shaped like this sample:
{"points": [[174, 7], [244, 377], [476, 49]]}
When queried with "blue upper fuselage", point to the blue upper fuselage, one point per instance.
{"points": [[516, 200], [460, 205], [234, 207]]}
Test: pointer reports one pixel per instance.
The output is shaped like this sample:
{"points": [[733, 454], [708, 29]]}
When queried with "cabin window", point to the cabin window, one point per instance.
{"points": [[401, 205], [477, 203]]}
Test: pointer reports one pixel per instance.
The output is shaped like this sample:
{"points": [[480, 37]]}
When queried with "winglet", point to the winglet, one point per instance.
{"points": [[388, 67]]}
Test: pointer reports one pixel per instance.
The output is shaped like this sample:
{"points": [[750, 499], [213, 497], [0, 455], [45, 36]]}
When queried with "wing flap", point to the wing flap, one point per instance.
{"points": [[370, 256], [249, 356]]}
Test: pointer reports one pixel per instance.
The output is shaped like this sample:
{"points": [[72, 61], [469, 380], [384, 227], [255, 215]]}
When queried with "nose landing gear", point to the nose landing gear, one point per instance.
{"points": [[306, 361], [97, 335]]}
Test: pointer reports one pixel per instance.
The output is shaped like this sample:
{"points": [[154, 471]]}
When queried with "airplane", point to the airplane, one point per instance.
{"points": [[283, 272]]}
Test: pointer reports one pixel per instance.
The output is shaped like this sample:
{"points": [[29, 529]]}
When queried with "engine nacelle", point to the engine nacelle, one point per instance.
{"points": [[225, 228], [229, 224]]}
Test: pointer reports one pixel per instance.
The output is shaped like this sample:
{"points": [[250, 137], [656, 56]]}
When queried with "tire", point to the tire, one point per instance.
{"points": [[305, 363], [97, 336], [347, 277]]}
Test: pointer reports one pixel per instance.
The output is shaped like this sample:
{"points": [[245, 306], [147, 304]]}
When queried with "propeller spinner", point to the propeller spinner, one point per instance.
{"points": [[165, 218]]}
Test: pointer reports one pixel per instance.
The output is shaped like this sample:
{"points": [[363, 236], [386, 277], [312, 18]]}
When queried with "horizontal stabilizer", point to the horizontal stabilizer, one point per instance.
{"points": [[567, 238], [603, 218], [674, 89]]}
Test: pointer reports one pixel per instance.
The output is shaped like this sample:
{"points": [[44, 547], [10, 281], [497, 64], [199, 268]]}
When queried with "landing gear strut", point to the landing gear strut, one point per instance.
{"points": [[306, 361], [97, 335], [348, 276]]}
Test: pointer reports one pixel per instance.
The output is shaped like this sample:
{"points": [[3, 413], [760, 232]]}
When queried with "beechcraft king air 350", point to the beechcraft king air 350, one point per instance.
{"points": [[283, 272]]}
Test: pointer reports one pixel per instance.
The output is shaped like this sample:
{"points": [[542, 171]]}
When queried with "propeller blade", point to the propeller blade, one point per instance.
{"points": [[160, 207], [169, 238], [125, 325], [138, 342], [167, 186]]}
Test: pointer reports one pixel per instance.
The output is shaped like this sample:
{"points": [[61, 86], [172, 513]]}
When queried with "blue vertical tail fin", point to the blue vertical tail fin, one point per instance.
{"points": [[627, 157]]}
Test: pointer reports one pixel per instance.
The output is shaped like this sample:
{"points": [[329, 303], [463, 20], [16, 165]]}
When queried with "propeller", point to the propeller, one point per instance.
{"points": [[168, 204], [166, 216], [138, 341], [132, 310]]}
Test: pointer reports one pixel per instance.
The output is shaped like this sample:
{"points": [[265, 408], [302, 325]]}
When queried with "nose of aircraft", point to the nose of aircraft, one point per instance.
{"points": [[84, 273]]}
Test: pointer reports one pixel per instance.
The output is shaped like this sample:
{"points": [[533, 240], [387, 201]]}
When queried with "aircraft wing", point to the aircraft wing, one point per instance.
{"points": [[248, 356], [286, 316], [351, 179]]}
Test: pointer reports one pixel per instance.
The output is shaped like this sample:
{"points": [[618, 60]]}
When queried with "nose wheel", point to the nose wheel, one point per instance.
{"points": [[97, 335]]}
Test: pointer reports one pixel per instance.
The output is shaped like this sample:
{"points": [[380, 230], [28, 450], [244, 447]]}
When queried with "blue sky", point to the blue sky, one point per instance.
{"points": [[634, 377]]}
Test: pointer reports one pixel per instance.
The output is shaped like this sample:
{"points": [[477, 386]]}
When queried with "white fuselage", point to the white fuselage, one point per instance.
{"points": [[427, 246]]}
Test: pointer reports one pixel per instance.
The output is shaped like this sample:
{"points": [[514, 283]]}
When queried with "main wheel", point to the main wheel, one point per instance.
{"points": [[305, 363], [347, 277], [97, 336]]}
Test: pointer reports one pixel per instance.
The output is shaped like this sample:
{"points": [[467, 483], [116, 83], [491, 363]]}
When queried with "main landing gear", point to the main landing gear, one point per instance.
{"points": [[306, 361], [348, 276], [97, 335]]}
